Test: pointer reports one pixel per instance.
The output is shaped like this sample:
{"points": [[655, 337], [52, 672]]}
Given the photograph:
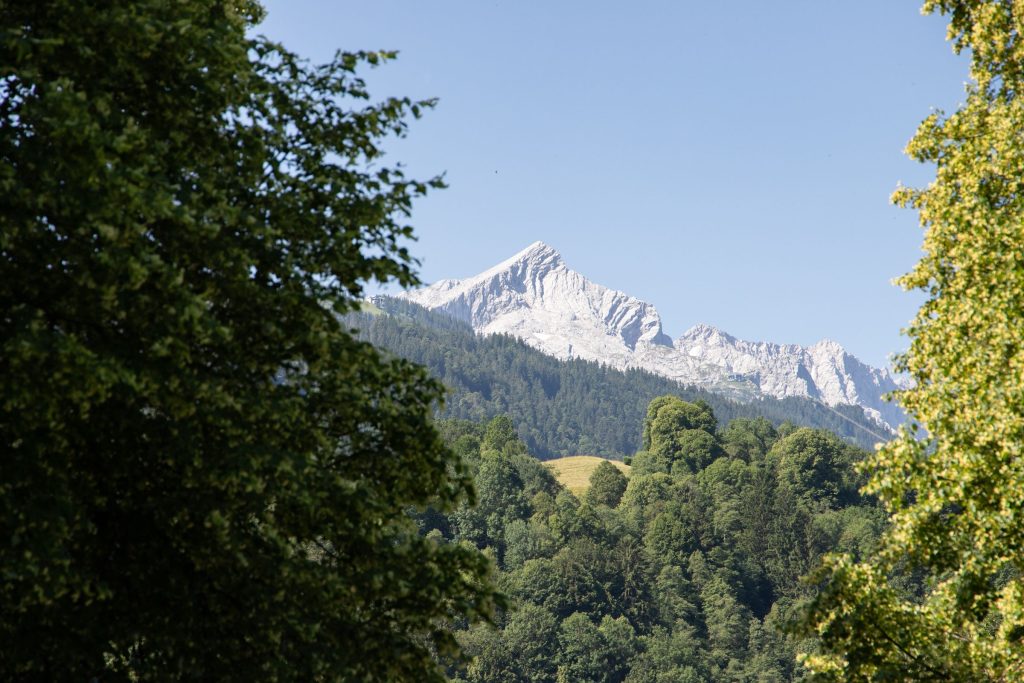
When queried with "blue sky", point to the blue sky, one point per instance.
{"points": [[730, 163]]}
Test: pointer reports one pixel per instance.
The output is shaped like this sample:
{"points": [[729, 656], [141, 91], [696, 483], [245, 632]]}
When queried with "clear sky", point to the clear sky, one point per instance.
{"points": [[729, 162]]}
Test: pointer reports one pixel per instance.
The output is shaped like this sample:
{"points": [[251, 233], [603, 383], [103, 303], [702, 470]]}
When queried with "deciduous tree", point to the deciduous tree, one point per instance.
{"points": [[607, 484], [955, 495], [203, 474]]}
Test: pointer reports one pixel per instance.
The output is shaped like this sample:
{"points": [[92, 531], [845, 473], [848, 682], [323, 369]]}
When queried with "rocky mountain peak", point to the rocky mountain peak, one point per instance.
{"points": [[535, 296], [538, 251], [705, 332], [827, 347], [535, 260]]}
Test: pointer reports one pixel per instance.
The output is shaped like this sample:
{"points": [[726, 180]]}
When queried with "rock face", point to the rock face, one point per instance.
{"points": [[536, 297]]}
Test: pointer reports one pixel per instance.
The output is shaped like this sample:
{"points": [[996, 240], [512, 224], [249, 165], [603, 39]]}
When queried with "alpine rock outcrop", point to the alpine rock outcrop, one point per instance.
{"points": [[537, 298]]}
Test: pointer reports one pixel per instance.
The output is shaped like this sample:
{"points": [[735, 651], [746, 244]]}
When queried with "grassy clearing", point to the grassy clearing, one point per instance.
{"points": [[574, 471]]}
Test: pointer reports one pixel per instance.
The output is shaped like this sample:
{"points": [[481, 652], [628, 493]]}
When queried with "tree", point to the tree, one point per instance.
{"points": [[204, 474], [501, 500], [589, 652], [677, 437], [813, 463], [607, 484], [687, 578], [673, 655], [667, 415], [500, 432], [749, 439], [954, 494], [532, 634], [728, 622]]}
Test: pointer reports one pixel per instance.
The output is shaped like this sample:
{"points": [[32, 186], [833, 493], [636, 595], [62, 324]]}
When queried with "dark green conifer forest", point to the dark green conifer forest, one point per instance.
{"points": [[564, 407]]}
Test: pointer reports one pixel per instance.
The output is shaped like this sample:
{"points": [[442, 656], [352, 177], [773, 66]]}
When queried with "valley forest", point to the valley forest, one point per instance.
{"points": [[222, 459]]}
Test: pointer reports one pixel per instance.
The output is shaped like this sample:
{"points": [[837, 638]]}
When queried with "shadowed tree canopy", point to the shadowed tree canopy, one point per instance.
{"points": [[204, 475]]}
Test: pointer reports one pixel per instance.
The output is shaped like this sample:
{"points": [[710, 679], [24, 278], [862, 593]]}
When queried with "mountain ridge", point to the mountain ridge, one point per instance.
{"points": [[564, 407], [536, 297]]}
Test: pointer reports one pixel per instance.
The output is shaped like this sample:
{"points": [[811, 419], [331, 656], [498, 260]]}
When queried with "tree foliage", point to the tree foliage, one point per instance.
{"points": [[955, 494], [204, 476], [689, 576], [607, 484]]}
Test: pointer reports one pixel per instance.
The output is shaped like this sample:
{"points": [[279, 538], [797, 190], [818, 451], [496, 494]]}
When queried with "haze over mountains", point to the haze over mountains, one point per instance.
{"points": [[536, 297]]}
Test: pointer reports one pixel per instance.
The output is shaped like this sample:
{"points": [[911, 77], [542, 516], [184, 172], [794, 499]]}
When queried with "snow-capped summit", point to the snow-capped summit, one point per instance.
{"points": [[535, 296], [824, 371], [702, 332]]}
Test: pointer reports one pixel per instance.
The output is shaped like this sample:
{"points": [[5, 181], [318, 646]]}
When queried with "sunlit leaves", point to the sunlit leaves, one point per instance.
{"points": [[957, 494]]}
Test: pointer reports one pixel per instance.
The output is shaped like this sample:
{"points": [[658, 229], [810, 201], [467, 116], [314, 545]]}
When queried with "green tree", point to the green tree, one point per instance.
{"points": [[687, 578], [727, 620], [597, 654], [581, 651], [749, 439], [667, 415], [501, 500], [492, 660], [204, 475], [526, 541], [532, 635], [524, 651], [499, 433], [620, 646], [696, 450], [955, 493], [646, 494], [816, 465], [671, 656], [607, 484]]}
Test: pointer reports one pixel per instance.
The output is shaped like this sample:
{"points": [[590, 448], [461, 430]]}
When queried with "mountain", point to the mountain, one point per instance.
{"points": [[536, 297], [564, 407]]}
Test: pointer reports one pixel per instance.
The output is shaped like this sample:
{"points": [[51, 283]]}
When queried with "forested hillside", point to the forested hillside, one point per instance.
{"points": [[564, 407], [686, 574]]}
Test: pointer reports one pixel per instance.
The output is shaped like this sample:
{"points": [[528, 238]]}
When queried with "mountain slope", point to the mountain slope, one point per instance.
{"points": [[536, 297], [564, 407]]}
